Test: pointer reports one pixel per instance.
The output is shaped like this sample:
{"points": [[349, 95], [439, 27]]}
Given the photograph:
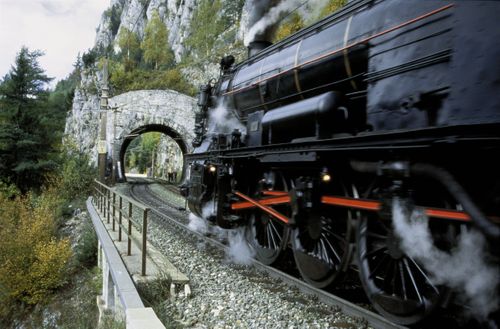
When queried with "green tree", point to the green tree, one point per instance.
{"points": [[155, 44], [89, 58], [130, 48], [210, 27], [140, 151], [206, 26], [114, 13], [27, 138]]}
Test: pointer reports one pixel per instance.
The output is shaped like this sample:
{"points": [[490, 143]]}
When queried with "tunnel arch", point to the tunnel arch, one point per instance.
{"points": [[138, 112], [168, 131]]}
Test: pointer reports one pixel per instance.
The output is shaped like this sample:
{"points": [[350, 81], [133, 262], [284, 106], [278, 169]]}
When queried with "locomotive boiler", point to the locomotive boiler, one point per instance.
{"points": [[382, 101]]}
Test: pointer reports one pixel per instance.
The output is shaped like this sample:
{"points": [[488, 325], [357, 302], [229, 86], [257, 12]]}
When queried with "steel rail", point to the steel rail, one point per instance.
{"points": [[373, 319]]}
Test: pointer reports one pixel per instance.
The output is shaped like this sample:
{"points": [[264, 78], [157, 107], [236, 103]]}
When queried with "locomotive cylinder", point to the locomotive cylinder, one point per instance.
{"points": [[301, 119]]}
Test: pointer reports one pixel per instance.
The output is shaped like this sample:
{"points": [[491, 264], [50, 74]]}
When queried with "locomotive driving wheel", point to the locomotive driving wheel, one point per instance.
{"points": [[320, 241], [397, 284], [267, 235]]}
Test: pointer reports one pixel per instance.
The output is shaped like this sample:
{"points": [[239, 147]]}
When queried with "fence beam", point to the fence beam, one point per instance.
{"points": [[144, 240]]}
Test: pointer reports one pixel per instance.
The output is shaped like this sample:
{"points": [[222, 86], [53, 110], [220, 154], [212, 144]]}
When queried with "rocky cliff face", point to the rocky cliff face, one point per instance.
{"points": [[134, 15], [227, 25], [82, 122]]}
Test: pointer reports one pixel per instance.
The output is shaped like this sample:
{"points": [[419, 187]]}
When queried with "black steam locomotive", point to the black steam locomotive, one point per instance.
{"points": [[382, 100]]}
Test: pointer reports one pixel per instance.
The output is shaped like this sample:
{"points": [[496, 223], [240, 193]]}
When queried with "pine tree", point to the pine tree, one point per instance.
{"points": [[155, 43], [27, 135]]}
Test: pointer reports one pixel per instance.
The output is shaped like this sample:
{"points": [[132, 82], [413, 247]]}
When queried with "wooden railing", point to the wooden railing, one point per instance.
{"points": [[116, 209]]}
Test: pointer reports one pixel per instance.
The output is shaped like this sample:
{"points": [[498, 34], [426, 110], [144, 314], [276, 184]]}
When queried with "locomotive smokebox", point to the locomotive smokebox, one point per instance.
{"points": [[256, 47]]}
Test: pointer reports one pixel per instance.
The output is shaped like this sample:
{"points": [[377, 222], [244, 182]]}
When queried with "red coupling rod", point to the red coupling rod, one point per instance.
{"points": [[262, 206]]}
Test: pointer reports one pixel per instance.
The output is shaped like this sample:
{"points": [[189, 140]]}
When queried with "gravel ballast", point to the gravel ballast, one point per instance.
{"points": [[228, 295]]}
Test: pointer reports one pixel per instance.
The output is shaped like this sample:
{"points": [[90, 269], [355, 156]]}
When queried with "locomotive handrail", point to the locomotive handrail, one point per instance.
{"points": [[260, 80], [110, 204]]}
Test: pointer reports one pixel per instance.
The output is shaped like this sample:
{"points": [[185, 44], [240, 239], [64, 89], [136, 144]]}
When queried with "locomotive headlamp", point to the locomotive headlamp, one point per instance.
{"points": [[212, 168], [325, 176]]}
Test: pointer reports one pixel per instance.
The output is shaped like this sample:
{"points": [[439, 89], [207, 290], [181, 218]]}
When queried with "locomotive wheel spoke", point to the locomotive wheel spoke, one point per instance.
{"points": [[402, 278], [265, 234], [376, 251], [334, 252], [320, 242], [396, 284], [377, 236], [378, 266], [424, 275], [412, 279]]}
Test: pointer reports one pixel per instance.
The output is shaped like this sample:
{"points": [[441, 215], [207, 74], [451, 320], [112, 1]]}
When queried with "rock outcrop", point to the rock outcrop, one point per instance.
{"points": [[82, 123]]}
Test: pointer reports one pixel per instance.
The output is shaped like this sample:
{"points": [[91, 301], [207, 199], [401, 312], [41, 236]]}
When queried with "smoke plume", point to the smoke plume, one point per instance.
{"points": [[464, 269], [256, 9], [267, 21], [265, 14]]}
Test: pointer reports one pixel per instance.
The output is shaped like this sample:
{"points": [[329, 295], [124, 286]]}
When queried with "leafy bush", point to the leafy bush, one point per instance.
{"points": [[86, 249], [77, 175], [33, 262], [8, 191], [138, 79]]}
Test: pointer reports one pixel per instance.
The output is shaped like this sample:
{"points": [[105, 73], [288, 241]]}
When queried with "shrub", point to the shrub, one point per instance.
{"points": [[8, 190], [77, 175], [32, 261], [86, 249], [137, 79]]}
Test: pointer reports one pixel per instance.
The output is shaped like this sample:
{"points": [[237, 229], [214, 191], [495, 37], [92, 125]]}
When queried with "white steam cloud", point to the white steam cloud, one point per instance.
{"points": [[223, 121], [464, 269], [197, 224], [208, 210], [200, 225], [239, 252]]}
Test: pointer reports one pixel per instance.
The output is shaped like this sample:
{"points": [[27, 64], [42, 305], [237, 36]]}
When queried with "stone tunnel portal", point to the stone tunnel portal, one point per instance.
{"points": [[168, 131]]}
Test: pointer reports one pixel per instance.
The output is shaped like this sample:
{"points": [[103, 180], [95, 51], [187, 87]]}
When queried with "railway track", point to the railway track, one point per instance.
{"points": [[170, 214]]}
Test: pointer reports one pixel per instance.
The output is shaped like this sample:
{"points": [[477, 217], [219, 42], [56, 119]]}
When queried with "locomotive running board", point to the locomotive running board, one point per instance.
{"points": [[279, 197]]}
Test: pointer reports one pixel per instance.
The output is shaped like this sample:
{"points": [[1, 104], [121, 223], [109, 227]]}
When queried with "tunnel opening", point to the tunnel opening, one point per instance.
{"points": [[153, 151]]}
